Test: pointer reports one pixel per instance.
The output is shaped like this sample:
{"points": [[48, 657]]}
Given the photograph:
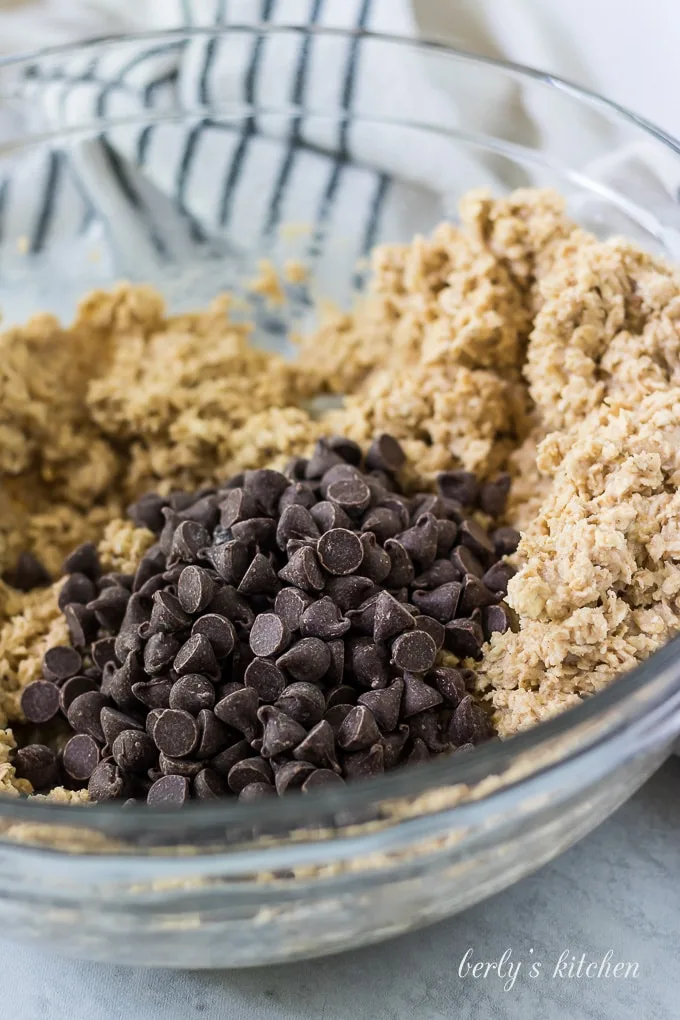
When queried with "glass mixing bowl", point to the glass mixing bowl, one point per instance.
{"points": [[169, 159]]}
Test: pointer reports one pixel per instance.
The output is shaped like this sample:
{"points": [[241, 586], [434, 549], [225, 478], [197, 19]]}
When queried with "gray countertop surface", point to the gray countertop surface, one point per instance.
{"points": [[618, 892]]}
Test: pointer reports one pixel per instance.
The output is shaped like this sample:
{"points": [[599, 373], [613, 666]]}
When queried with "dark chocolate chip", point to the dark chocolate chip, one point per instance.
{"points": [[391, 618], [496, 578], [393, 745], [450, 683], [82, 624], [159, 653], [323, 458], [358, 730], [420, 541], [494, 495], [335, 671], [290, 604], [247, 771], [266, 486], [303, 702], [110, 605], [496, 620], [195, 589], [368, 662], [192, 693], [338, 473], [384, 704], [427, 503], [256, 791], [134, 751], [470, 723], [350, 592], [308, 659], [168, 791], [176, 733], [459, 485], [281, 733], [84, 712], [83, 560], [28, 573], [419, 754], [329, 515], [167, 614], [402, 571], [383, 523], [40, 701], [102, 651], [303, 571], [340, 695], [269, 635], [238, 505], [231, 560], [351, 494], [266, 679], [441, 603], [447, 533], [464, 638], [61, 662], [414, 651], [505, 541], [258, 531], [475, 595], [260, 577], [292, 775], [336, 715], [219, 631], [298, 494], [153, 693], [345, 448], [73, 688], [324, 620], [295, 522], [385, 454], [38, 764], [213, 734], [364, 764], [432, 627], [340, 551], [196, 656], [475, 538], [362, 620], [418, 696], [178, 766], [320, 779], [227, 758], [147, 512], [113, 722], [465, 562], [318, 747], [209, 785], [441, 572], [80, 757], [151, 720], [376, 563], [76, 588], [239, 710], [107, 782]]}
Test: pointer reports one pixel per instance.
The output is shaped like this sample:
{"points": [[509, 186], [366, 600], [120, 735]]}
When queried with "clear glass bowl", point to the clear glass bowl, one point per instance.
{"points": [[109, 171]]}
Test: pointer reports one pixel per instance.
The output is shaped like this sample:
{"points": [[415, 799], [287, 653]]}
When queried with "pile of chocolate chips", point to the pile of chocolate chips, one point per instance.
{"points": [[281, 634]]}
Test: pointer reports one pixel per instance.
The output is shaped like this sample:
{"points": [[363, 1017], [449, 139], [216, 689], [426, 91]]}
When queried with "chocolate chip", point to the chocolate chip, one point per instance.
{"points": [[505, 541], [340, 551], [441, 572], [418, 696], [238, 505], [239, 710], [38, 764], [329, 516], [107, 782], [134, 751], [393, 745], [196, 655], [303, 571], [323, 458], [40, 701], [295, 522], [256, 791], [450, 683], [447, 533], [147, 512], [213, 734], [303, 702], [208, 785], [28, 573], [391, 618], [61, 662], [231, 560], [151, 720], [350, 592], [493, 495], [260, 577], [73, 688], [195, 589], [292, 775], [376, 563], [345, 448], [102, 651], [168, 791], [82, 624], [308, 659], [247, 771], [266, 486], [153, 693], [419, 754], [383, 523], [368, 662], [219, 632], [340, 695], [176, 733], [402, 571], [167, 614], [227, 758], [415, 651], [336, 715], [269, 635], [83, 560], [475, 538], [470, 723], [266, 679], [496, 578], [475, 595], [298, 494], [427, 503], [464, 638], [335, 671], [191, 693], [364, 764], [441, 603], [320, 779], [432, 627], [114, 722], [338, 473], [358, 730], [159, 653], [385, 454], [76, 588], [258, 531], [351, 494], [290, 604], [177, 766], [362, 620], [384, 704], [459, 485], [110, 605], [281, 733], [496, 620], [420, 541], [324, 620], [318, 747], [466, 562], [83, 714]]}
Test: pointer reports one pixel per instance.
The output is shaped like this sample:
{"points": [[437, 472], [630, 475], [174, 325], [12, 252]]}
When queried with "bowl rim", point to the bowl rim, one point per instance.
{"points": [[492, 758]]}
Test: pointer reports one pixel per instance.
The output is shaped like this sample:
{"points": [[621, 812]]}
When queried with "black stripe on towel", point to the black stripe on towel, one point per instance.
{"points": [[48, 203], [117, 168], [350, 77]]}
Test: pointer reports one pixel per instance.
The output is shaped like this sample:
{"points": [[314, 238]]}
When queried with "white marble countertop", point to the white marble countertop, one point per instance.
{"points": [[617, 890]]}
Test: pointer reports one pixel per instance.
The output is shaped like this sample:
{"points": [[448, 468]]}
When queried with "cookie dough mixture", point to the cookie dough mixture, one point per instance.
{"points": [[514, 342]]}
